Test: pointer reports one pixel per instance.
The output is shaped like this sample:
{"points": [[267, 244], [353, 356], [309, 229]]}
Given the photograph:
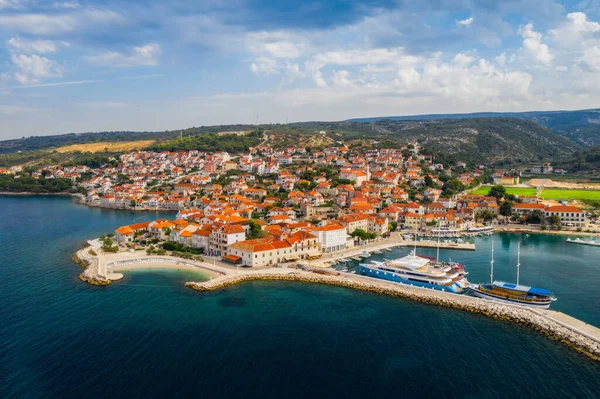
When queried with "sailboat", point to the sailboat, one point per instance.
{"points": [[501, 291]]}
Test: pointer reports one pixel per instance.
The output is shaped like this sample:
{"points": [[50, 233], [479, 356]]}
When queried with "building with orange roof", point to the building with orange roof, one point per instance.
{"points": [[523, 209], [570, 216], [363, 207], [332, 237], [261, 251], [354, 221], [225, 236], [412, 221]]}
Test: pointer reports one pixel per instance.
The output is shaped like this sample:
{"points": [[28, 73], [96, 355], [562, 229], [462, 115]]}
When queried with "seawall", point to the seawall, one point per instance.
{"points": [[579, 341]]}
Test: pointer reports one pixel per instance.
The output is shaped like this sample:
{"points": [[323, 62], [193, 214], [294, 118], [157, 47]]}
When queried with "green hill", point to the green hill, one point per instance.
{"points": [[503, 141]]}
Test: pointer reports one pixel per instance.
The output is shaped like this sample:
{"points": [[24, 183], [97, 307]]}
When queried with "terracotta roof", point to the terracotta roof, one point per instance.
{"points": [[563, 208]]}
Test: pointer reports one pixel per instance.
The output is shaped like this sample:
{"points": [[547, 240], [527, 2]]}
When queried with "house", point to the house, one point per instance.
{"points": [[356, 175], [412, 221], [224, 236], [506, 180], [126, 234], [354, 221], [378, 225]]}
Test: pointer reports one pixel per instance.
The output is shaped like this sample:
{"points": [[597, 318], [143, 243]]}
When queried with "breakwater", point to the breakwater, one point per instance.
{"points": [[90, 274], [582, 342]]}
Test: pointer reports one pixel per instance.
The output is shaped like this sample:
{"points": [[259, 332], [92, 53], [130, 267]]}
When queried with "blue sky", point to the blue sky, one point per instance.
{"points": [[77, 66]]}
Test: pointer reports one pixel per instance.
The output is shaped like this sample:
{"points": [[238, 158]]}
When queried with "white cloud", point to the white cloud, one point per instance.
{"points": [[533, 46], [575, 28], [264, 66], [55, 84], [32, 46], [465, 22], [342, 78], [10, 4], [146, 55], [30, 69], [58, 24], [591, 58], [276, 44], [66, 4], [462, 60]]}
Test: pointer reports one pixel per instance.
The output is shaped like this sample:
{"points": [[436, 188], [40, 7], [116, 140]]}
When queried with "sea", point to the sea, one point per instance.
{"points": [[148, 336]]}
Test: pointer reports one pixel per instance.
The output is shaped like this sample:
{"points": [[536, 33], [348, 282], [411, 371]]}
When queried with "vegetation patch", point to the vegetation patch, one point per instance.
{"points": [[567, 195], [122, 146], [520, 191]]}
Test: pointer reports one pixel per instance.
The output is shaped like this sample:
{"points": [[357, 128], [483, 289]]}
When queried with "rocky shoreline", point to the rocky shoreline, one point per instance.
{"points": [[523, 316], [90, 274]]}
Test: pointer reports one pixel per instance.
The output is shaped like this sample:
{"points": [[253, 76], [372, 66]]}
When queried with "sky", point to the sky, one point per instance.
{"points": [[103, 65]]}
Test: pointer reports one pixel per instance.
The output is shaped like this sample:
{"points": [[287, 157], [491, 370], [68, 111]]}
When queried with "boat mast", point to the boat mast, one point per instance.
{"points": [[518, 260], [438, 249], [415, 242], [492, 265]]}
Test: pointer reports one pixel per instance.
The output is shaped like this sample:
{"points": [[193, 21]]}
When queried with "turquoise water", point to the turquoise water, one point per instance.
{"points": [[148, 336]]}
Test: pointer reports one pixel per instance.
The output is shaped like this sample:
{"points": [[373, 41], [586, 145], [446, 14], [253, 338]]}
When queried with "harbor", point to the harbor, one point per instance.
{"points": [[380, 248], [574, 333], [559, 326]]}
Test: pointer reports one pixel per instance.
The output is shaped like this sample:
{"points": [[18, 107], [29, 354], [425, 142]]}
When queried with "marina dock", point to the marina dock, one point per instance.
{"points": [[390, 243]]}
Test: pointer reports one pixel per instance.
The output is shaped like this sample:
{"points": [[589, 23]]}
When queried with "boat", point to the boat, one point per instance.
{"points": [[581, 241], [419, 271], [377, 252], [389, 249], [358, 258], [501, 291]]}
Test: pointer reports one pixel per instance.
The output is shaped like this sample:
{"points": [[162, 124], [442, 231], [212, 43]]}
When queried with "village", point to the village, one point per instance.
{"points": [[270, 206]]}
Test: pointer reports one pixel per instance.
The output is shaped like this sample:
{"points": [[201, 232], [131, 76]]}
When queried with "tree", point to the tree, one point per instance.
{"points": [[506, 208], [535, 217], [428, 181], [363, 235], [132, 203], [453, 186], [497, 191], [555, 221], [393, 225], [255, 230], [486, 215]]}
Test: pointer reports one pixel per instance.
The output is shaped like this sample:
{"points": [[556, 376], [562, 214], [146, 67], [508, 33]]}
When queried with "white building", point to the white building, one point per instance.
{"points": [[331, 237]]}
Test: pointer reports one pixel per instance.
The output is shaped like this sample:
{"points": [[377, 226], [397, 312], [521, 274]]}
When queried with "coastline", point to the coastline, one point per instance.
{"points": [[100, 269], [31, 194], [547, 232], [545, 322]]}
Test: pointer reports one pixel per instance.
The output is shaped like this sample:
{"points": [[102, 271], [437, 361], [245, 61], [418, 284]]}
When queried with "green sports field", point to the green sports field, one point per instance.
{"points": [[509, 190], [558, 194]]}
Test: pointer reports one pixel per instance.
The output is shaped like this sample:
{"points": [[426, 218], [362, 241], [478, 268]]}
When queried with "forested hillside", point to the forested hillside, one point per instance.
{"points": [[476, 140], [580, 126]]}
